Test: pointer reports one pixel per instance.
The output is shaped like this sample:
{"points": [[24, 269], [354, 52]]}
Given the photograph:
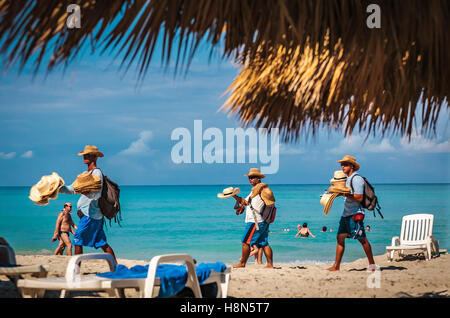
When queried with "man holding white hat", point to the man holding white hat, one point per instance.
{"points": [[351, 224], [256, 232], [90, 228]]}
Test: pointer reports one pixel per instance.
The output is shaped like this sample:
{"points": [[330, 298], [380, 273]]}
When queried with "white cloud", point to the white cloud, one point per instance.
{"points": [[384, 146], [139, 147], [355, 144], [419, 143], [7, 155], [28, 154], [290, 150]]}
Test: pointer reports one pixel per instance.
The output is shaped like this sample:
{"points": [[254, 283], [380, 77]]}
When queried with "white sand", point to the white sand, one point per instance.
{"points": [[412, 276]]}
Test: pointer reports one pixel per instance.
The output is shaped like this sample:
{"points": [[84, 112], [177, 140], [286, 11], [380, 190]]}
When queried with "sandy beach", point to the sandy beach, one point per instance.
{"points": [[409, 277]]}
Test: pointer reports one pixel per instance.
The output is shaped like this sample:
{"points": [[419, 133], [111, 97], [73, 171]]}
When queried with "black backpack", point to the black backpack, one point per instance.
{"points": [[370, 200], [109, 201], [269, 213]]}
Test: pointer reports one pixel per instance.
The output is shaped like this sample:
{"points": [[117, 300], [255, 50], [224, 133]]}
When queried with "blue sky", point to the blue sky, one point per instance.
{"points": [[46, 121]]}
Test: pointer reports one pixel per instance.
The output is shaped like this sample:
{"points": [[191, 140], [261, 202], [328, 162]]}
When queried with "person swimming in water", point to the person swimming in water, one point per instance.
{"points": [[304, 231]]}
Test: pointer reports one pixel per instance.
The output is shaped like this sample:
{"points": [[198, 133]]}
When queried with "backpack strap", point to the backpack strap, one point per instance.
{"points": [[351, 181], [254, 212], [378, 208], [353, 190]]}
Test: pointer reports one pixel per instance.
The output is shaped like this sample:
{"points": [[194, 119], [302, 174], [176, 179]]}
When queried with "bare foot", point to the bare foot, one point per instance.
{"points": [[239, 265], [333, 268], [269, 266], [253, 252]]}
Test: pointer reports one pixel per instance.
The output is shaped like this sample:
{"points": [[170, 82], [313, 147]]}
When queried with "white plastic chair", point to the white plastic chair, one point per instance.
{"points": [[149, 287], [73, 281], [16, 271], [416, 234]]}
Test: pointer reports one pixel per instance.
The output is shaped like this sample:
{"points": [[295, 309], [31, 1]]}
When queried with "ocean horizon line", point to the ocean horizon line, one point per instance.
{"points": [[245, 184]]}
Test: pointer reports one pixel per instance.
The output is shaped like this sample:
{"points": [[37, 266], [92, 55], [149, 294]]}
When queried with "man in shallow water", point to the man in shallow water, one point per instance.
{"points": [[90, 228], [260, 196]]}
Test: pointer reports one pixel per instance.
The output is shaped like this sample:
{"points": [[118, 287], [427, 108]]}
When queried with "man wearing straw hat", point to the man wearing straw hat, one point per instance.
{"points": [[257, 231], [90, 228], [351, 224]]}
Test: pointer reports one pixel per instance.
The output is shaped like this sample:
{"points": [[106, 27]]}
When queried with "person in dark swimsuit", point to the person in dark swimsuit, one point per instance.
{"points": [[64, 226], [304, 231]]}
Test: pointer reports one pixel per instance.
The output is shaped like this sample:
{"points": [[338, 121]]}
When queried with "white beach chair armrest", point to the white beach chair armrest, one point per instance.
{"points": [[395, 241], [192, 280], [73, 267]]}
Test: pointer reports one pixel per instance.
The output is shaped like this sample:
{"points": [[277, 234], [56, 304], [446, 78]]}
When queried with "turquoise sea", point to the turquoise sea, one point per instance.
{"points": [[191, 219]]}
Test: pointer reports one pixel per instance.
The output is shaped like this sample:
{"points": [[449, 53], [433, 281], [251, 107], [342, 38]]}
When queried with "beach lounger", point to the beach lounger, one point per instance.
{"points": [[416, 234], [72, 281], [114, 283], [14, 271]]}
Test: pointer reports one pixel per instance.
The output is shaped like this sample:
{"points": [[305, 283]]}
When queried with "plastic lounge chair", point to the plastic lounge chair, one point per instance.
{"points": [[14, 271], [148, 286], [73, 281], [416, 234]]}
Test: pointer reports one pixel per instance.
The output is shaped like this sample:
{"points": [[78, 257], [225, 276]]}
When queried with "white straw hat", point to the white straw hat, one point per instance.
{"points": [[228, 192]]}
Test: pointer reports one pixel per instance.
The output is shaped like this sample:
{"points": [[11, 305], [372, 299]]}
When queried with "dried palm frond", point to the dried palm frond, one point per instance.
{"points": [[299, 92], [371, 78]]}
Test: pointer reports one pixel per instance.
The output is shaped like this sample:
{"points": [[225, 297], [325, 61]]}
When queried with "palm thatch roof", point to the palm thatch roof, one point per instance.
{"points": [[305, 63]]}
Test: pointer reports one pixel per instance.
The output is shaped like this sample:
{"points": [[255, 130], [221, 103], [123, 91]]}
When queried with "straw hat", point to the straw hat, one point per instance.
{"points": [[350, 159], [327, 200], [47, 188], [338, 183], [228, 192], [338, 188], [254, 172], [339, 176], [87, 182], [265, 193], [90, 150]]}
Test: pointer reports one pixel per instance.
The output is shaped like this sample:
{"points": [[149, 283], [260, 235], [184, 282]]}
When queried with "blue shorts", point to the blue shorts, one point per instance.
{"points": [[254, 237], [90, 233], [355, 230]]}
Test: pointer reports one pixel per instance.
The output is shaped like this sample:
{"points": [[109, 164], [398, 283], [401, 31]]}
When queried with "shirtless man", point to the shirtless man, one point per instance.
{"points": [[64, 226]]}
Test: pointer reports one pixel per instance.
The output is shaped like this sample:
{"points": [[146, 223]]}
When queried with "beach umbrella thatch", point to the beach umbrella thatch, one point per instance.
{"points": [[305, 62]]}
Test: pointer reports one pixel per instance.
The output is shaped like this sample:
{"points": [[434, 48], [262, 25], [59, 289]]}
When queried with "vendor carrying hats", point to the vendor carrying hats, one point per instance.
{"points": [[351, 223], [90, 183], [257, 231]]}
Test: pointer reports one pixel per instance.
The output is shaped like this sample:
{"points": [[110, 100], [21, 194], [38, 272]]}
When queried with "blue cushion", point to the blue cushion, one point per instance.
{"points": [[173, 277]]}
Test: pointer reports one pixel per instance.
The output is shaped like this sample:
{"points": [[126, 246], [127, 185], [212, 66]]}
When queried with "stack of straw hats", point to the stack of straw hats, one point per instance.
{"points": [[338, 183], [47, 188], [87, 182], [337, 188]]}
